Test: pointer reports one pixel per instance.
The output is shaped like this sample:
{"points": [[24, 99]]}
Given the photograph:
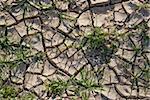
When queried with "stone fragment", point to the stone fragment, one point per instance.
{"points": [[14, 35], [148, 23], [145, 13], [99, 19], [115, 1], [18, 73], [71, 52], [125, 90], [64, 27], [135, 19], [62, 4], [110, 93], [53, 52], [112, 63], [40, 90], [35, 67], [57, 39], [21, 29], [86, 30], [34, 23], [82, 4], [35, 41], [54, 22], [7, 2], [123, 53], [9, 20], [31, 80], [109, 76], [17, 80], [71, 15], [84, 19], [48, 69], [98, 1], [2, 19], [101, 10], [129, 7], [120, 17], [78, 5], [117, 7]]}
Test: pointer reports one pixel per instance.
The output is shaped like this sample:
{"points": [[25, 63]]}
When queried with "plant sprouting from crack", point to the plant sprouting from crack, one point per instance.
{"points": [[56, 87], [143, 6], [99, 48], [82, 87], [86, 85], [8, 92], [28, 96]]}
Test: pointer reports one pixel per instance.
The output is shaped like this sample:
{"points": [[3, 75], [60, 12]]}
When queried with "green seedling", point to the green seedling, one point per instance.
{"points": [[87, 84], [143, 5], [8, 92], [28, 96], [56, 87]]}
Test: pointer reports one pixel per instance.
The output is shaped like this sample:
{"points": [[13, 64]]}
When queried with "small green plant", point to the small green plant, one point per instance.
{"points": [[56, 87], [28, 96], [99, 47], [66, 17], [81, 88], [97, 38], [94, 39], [143, 6], [40, 5], [87, 84], [8, 92]]}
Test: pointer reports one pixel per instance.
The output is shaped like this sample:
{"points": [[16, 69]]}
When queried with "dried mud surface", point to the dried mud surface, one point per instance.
{"points": [[51, 30]]}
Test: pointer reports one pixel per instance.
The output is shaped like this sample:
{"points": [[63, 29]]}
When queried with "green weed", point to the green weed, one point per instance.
{"points": [[8, 92], [82, 87], [28, 96], [56, 87], [143, 6]]}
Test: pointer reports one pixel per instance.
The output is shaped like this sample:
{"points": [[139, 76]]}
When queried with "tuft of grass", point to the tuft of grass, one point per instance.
{"points": [[87, 84], [8, 92], [143, 6], [56, 87], [99, 46], [82, 87], [28, 96], [96, 39]]}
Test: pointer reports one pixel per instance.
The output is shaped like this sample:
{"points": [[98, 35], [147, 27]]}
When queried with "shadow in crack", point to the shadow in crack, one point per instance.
{"points": [[100, 55], [99, 48], [102, 10]]}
